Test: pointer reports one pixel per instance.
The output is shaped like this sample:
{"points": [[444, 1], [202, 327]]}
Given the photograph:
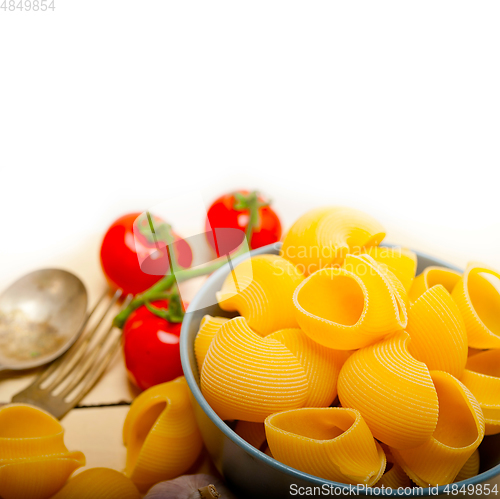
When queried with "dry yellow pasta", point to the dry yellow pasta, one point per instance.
{"points": [[261, 289], [99, 483], [208, 329], [394, 476], [432, 276], [479, 302], [350, 307], [482, 378], [385, 384], [161, 434], [400, 261], [459, 431], [324, 236], [322, 365], [437, 332], [248, 377], [470, 468], [330, 442], [253, 433], [34, 462]]}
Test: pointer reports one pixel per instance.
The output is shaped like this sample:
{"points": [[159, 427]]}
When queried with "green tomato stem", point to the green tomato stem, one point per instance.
{"points": [[167, 287]]}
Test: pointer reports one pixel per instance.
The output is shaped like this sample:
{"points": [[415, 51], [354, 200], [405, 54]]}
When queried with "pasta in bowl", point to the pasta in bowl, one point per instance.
{"points": [[239, 446]]}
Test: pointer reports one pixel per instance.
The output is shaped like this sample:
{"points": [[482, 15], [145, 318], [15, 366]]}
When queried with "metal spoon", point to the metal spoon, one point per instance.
{"points": [[41, 316]]}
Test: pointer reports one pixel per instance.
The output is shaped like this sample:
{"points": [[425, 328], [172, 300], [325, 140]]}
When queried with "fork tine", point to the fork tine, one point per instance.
{"points": [[96, 360], [47, 372], [69, 360]]}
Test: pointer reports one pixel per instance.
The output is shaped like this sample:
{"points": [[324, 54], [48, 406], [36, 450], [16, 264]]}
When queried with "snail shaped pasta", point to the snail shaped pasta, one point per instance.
{"points": [[322, 365], [437, 332], [400, 261], [99, 483], [351, 307], [254, 434], [479, 302], [208, 329], [261, 289], [324, 236], [433, 276], [458, 433], [34, 462], [245, 376], [482, 378], [333, 443], [385, 384], [470, 468], [161, 434], [394, 476]]}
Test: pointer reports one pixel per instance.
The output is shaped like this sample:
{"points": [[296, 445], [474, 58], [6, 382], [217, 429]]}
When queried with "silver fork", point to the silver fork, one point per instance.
{"points": [[67, 380]]}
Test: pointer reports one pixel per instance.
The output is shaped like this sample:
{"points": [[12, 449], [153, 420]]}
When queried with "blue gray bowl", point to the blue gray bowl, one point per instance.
{"points": [[249, 472]]}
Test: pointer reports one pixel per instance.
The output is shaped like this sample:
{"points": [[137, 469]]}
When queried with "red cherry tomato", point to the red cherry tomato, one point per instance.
{"points": [[223, 214], [151, 347], [122, 249]]}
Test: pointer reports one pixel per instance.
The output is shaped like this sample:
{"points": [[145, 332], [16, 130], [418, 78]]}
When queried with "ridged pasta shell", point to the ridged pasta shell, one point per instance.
{"points": [[324, 236], [350, 307], [401, 262], [394, 476], [322, 365], [34, 462], [470, 468], [432, 276], [479, 302], [437, 332], [387, 385], [253, 433], [331, 442], [261, 289], [459, 431], [99, 483], [248, 377], [208, 329], [482, 378], [161, 434]]}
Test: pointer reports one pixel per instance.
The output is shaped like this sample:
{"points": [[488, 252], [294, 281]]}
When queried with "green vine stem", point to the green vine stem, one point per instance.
{"points": [[167, 287]]}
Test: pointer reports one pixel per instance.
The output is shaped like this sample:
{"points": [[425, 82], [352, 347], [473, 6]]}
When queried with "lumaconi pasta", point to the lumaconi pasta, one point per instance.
{"points": [[34, 462], [323, 237], [459, 431], [99, 483], [322, 365], [400, 261], [432, 276], [470, 468], [161, 434], [482, 378], [248, 377], [479, 302], [385, 384], [350, 307], [394, 476], [331, 442], [253, 433], [437, 332], [260, 289], [208, 329]]}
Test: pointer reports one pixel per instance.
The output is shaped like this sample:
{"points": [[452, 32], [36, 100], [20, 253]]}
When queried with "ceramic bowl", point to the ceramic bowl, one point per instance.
{"points": [[249, 472]]}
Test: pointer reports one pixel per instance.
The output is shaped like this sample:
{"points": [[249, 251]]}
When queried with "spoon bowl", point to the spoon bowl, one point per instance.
{"points": [[41, 316]]}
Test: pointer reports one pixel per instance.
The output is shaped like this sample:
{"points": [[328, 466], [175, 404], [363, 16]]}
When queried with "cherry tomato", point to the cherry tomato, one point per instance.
{"points": [[224, 214], [122, 250], [151, 347]]}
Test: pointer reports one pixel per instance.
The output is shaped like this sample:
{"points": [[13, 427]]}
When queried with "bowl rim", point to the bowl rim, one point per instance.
{"points": [[257, 454]]}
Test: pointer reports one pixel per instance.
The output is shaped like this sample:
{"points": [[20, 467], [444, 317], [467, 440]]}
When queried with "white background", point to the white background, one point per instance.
{"points": [[110, 106]]}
